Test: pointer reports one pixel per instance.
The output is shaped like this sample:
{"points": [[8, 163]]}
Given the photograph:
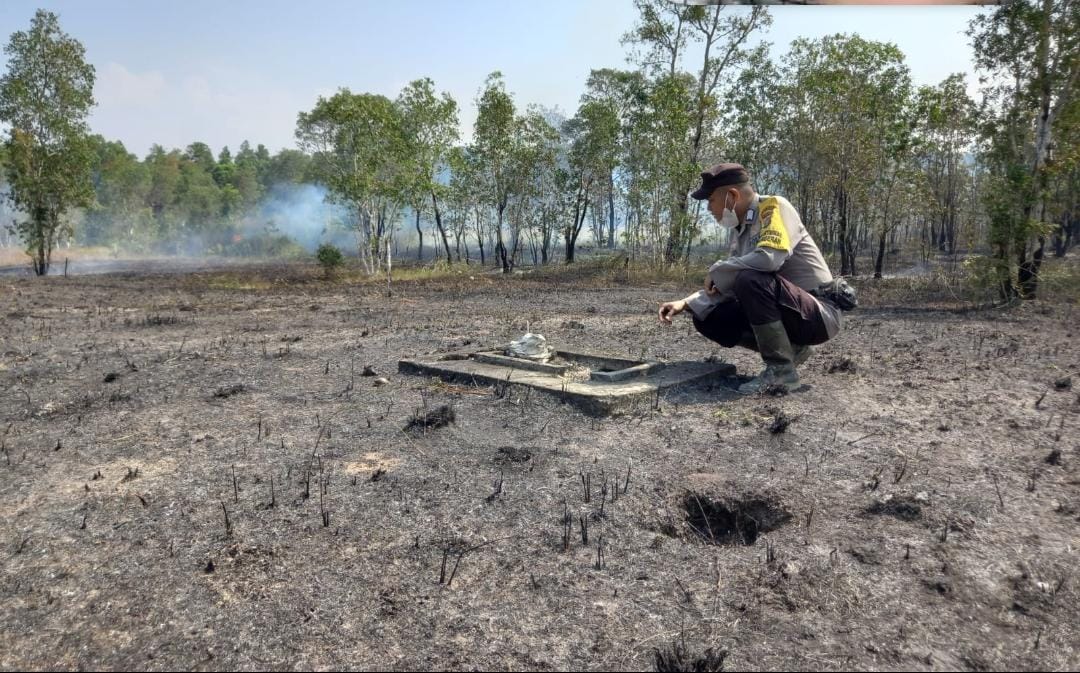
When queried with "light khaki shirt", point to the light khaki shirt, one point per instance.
{"points": [[770, 238]]}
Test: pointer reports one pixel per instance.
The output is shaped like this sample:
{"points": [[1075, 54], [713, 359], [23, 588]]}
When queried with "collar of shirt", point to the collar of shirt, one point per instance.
{"points": [[751, 216]]}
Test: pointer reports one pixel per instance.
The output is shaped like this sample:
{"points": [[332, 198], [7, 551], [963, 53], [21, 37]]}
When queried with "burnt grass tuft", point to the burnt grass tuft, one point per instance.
{"points": [[228, 391], [736, 521], [674, 659], [843, 366], [439, 417], [513, 454], [779, 423], [158, 320]]}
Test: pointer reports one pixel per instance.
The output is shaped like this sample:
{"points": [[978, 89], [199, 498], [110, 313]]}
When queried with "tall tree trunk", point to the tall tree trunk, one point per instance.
{"points": [[611, 211], [420, 233], [438, 223], [571, 236], [500, 246], [843, 234], [879, 261], [673, 249]]}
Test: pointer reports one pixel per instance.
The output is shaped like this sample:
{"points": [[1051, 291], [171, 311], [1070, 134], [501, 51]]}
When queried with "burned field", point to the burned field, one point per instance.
{"points": [[226, 470]]}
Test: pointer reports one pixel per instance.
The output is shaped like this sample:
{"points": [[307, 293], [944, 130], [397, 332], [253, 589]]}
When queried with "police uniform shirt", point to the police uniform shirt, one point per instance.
{"points": [[770, 238]]}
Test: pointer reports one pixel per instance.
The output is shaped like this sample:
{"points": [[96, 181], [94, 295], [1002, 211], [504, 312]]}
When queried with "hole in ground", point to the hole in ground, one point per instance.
{"points": [[731, 521]]}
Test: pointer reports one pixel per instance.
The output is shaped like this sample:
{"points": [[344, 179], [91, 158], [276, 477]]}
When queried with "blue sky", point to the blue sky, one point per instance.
{"points": [[225, 71]]}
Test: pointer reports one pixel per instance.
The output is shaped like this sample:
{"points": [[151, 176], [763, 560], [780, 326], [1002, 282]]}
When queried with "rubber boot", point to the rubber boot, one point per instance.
{"points": [[802, 354], [779, 357]]}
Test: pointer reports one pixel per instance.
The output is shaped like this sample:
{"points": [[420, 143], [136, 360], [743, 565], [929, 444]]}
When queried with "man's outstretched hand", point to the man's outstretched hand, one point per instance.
{"points": [[671, 309]]}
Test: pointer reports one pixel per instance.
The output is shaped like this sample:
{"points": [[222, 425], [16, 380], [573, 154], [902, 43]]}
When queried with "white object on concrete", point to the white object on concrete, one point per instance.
{"points": [[530, 347]]}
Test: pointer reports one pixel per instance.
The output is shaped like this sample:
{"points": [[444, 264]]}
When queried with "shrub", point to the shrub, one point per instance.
{"points": [[330, 258]]}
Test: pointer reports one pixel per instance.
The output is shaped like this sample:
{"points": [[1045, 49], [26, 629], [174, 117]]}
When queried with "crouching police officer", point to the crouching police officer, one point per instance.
{"points": [[775, 294]]}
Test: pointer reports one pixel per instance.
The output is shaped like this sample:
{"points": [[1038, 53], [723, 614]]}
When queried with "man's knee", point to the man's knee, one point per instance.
{"points": [[750, 281], [717, 331]]}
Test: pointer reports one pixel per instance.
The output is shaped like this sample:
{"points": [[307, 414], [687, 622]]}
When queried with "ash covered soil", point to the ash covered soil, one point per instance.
{"points": [[917, 507]]}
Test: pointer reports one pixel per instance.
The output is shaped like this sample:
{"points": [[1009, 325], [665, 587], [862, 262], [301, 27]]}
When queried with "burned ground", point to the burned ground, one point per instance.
{"points": [[195, 473]]}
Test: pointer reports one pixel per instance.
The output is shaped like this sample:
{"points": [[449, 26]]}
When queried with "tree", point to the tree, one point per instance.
{"points": [[121, 186], [198, 200], [593, 136], [1065, 175], [249, 165], [8, 215], [844, 100], [430, 126], [532, 167], [224, 169], [359, 153], [164, 170], [466, 194], [1029, 51], [946, 125], [687, 113], [45, 98], [628, 93], [201, 154], [493, 139], [286, 167]]}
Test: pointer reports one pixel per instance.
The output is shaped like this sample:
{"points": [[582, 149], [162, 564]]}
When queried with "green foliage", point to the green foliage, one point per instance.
{"points": [[329, 258], [121, 185], [493, 145], [360, 153], [1030, 53], [430, 129], [675, 126], [45, 98]]}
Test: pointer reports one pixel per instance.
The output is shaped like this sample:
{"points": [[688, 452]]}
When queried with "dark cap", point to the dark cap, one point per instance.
{"points": [[720, 175]]}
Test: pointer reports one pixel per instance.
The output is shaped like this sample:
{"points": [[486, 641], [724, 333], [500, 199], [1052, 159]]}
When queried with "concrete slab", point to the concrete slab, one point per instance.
{"points": [[615, 385]]}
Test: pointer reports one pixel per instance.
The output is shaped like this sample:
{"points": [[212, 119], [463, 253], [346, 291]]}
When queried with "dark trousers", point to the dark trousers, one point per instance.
{"points": [[762, 298]]}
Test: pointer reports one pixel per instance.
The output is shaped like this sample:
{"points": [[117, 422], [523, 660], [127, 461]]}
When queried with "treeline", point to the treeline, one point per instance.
{"points": [[187, 201], [875, 164]]}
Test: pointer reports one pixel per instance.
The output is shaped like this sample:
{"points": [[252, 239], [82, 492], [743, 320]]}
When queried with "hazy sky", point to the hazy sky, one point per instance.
{"points": [[229, 70]]}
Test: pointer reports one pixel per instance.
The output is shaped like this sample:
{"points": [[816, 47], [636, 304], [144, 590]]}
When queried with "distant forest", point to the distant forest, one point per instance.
{"points": [[876, 165]]}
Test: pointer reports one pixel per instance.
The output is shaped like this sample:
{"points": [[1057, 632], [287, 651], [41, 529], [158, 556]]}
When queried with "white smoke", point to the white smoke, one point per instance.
{"points": [[302, 213]]}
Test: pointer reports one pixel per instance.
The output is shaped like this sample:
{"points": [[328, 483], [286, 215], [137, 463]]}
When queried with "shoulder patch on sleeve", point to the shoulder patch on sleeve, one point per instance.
{"points": [[774, 233]]}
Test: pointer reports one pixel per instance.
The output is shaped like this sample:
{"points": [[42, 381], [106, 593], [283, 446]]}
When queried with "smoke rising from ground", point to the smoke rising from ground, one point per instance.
{"points": [[302, 213]]}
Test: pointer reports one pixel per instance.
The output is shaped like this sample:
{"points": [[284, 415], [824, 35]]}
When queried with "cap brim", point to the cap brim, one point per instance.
{"points": [[702, 193]]}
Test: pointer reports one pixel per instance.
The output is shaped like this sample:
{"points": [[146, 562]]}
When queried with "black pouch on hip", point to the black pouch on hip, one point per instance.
{"points": [[840, 293]]}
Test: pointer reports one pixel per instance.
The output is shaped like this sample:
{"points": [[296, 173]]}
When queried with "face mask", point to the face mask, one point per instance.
{"points": [[729, 220]]}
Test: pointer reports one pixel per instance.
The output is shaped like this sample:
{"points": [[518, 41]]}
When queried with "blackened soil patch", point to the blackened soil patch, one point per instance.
{"points": [[436, 418], [513, 454], [902, 507], [733, 521]]}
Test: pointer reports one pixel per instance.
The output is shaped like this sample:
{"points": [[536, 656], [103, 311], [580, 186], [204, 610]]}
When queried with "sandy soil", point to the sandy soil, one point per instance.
{"points": [[919, 510]]}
